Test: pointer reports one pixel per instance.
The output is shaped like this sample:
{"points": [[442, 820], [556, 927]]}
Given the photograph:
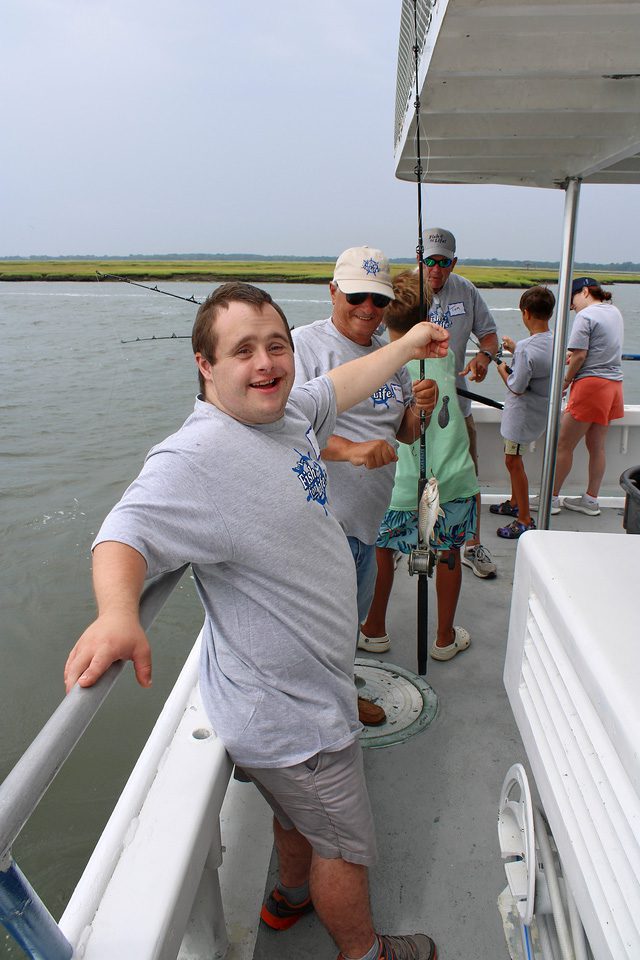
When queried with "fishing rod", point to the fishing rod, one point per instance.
{"points": [[156, 289], [420, 560], [486, 401], [171, 336]]}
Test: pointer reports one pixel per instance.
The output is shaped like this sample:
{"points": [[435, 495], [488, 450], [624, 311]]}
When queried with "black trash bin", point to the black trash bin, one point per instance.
{"points": [[630, 483]]}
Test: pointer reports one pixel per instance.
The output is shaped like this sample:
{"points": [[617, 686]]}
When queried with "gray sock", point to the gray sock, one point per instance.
{"points": [[295, 895], [371, 954]]}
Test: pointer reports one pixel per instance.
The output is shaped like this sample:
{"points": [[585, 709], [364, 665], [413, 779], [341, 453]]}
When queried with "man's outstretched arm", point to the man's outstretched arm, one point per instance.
{"points": [[360, 453], [116, 634], [357, 379]]}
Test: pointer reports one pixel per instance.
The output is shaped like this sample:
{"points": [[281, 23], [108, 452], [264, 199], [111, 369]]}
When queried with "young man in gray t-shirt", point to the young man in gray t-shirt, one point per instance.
{"points": [[525, 408], [241, 493]]}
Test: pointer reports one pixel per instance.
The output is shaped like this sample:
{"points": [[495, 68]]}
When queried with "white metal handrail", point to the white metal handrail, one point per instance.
{"points": [[23, 913], [163, 835]]}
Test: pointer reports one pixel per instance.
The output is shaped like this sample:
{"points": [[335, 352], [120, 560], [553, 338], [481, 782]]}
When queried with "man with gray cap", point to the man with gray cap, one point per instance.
{"points": [[361, 455], [458, 307]]}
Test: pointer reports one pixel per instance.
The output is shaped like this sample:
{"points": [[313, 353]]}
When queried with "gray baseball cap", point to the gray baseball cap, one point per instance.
{"points": [[439, 242]]}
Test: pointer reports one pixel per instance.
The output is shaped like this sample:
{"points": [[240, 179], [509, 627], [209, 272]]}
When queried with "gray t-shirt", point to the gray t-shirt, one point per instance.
{"points": [[599, 329], [524, 417], [247, 506], [463, 312], [359, 497]]}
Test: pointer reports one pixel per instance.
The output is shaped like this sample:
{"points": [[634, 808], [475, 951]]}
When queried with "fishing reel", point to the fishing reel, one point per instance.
{"points": [[422, 562]]}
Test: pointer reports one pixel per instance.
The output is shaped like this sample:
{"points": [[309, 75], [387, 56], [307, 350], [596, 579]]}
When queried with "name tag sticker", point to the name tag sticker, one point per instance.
{"points": [[456, 309]]}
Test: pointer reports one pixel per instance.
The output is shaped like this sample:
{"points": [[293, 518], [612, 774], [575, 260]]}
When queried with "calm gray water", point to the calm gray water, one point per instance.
{"points": [[79, 411]]}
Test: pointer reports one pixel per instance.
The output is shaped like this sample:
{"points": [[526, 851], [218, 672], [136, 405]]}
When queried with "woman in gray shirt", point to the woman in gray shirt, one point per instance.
{"points": [[594, 372]]}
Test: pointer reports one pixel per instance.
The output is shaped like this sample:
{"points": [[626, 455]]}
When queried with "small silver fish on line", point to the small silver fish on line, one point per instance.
{"points": [[429, 510]]}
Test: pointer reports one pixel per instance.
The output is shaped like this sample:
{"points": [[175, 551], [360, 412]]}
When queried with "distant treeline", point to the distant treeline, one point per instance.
{"points": [[626, 267]]}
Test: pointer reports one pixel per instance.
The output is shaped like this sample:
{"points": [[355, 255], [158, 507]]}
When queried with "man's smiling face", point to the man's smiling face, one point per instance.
{"points": [[356, 322], [252, 374]]}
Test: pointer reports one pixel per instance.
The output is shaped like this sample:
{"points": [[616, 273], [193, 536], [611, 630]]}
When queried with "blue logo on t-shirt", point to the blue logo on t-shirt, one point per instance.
{"points": [[385, 393], [313, 477], [440, 318]]}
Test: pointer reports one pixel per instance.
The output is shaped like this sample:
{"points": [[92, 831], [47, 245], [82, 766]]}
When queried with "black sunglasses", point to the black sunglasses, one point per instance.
{"points": [[442, 262], [378, 299]]}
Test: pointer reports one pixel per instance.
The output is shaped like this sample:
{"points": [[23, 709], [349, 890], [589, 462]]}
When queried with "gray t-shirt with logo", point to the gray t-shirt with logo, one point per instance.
{"points": [[525, 416], [359, 497], [460, 309], [248, 507], [599, 329]]}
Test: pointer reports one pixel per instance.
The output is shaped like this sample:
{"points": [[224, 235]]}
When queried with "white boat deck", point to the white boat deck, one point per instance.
{"points": [[436, 796]]}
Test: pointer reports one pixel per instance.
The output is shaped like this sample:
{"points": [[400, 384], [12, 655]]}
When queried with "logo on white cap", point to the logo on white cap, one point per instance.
{"points": [[371, 266]]}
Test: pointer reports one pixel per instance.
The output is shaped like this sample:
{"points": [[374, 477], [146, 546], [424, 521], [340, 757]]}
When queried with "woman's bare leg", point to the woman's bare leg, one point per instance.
{"points": [[595, 440], [571, 433]]}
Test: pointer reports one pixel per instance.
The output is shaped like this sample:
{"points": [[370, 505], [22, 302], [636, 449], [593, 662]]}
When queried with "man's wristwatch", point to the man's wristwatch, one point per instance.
{"points": [[487, 354]]}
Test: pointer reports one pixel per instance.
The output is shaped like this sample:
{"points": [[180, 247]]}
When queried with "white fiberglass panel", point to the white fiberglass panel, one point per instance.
{"points": [[572, 677]]}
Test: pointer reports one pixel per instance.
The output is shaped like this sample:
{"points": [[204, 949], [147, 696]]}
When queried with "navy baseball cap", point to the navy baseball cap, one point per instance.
{"points": [[581, 282]]}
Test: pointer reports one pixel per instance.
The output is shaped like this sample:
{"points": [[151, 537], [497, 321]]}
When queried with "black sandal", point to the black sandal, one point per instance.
{"points": [[506, 509]]}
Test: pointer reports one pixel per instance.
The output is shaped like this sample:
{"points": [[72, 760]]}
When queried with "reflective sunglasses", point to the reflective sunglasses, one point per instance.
{"points": [[442, 262], [378, 299]]}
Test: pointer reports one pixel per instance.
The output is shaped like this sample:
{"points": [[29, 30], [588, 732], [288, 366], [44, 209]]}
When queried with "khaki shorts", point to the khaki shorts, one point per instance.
{"points": [[473, 440], [325, 798], [514, 449]]}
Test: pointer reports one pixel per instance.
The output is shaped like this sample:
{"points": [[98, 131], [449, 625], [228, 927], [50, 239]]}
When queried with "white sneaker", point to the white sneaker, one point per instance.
{"points": [[374, 644], [583, 504], [555, 505], [479, 559]]}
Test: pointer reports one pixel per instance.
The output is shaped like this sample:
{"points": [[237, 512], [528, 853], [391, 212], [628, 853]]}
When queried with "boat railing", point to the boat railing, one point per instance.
{"points": [[22, 912]]}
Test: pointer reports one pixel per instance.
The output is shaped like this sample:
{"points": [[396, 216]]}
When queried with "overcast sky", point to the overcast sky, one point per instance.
{"points": [[132, 126]]}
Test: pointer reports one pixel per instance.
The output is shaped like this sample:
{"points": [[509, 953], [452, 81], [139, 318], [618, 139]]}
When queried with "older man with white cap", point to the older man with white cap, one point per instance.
{"points": [[458, 307], [361, 455]]}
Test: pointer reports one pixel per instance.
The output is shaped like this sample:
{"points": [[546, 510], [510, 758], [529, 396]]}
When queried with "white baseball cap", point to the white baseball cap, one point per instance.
{"points": [[439, 242], [363, 270]]}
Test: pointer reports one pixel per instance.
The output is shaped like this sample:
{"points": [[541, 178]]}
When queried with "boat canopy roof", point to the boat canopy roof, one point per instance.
{"points": [[513, 92]]}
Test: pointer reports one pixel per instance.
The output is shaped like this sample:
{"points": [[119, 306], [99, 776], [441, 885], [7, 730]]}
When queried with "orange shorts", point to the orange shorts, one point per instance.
{"points": [[596, 400]]}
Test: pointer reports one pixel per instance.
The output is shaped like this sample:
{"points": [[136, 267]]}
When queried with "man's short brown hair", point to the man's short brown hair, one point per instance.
{"points": [[404, 310], [203, 335]]}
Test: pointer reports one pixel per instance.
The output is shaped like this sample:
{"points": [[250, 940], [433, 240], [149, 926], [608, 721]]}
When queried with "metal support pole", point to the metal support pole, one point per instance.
{"points": [[27, 919], [559, 351]]}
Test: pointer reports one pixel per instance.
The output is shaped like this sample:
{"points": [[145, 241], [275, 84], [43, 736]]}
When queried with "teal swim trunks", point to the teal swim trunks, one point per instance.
{"points": [[399, 531], [399, 528]]}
